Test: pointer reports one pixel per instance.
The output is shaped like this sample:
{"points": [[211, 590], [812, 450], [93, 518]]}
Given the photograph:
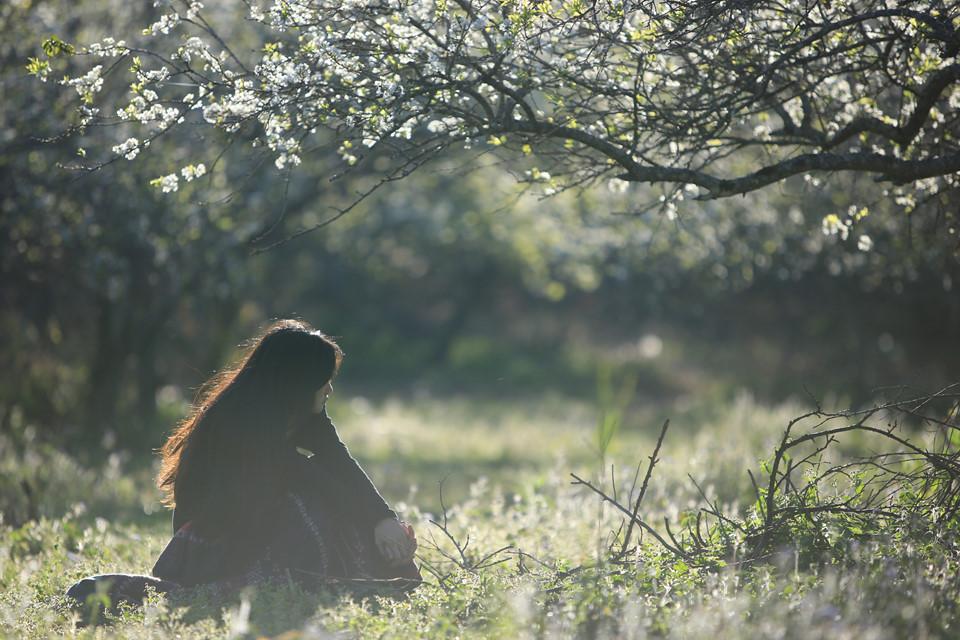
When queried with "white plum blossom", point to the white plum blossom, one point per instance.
{"points": [[832, 225], [194, 47], [166, 22], [449, 124], [293, 159], [107, 48], [709, 103], [128, 148], [616, 185], [168, 183], [191, 171], [87, 84], [256, 13], [154, 76], [193, 10]]}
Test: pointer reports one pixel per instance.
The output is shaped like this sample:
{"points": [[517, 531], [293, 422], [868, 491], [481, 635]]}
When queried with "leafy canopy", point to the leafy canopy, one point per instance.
{"points": [[712, 99]]}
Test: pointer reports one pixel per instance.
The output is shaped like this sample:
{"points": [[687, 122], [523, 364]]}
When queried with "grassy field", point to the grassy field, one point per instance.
{"points": [[504, 468]]}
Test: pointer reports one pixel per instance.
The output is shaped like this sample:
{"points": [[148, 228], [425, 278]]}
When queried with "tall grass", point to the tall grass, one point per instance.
{"points": [[505, 471]]}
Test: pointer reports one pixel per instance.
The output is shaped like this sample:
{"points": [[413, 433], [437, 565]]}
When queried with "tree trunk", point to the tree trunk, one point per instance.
{"points": [[106, 372]]}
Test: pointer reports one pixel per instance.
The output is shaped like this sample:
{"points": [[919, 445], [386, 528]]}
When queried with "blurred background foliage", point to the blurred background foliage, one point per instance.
{"points": [[117, 301]]}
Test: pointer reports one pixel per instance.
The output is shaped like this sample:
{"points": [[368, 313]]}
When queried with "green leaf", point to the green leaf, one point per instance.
{"points": [[38, 67], [54, 46]]}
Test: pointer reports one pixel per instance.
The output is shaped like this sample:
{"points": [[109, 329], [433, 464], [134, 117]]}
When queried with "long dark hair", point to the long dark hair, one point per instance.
{"points": [[240, 417]]}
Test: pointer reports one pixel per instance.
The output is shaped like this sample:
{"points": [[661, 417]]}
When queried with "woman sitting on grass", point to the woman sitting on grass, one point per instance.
{"points": [[262, 487]]}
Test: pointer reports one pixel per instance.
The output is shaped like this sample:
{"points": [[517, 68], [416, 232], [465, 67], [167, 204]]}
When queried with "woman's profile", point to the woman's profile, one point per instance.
{"points": [[262, 486]]}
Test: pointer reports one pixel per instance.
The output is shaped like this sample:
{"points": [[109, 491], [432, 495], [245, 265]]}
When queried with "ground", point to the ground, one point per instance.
{"points": [[504, 468]]}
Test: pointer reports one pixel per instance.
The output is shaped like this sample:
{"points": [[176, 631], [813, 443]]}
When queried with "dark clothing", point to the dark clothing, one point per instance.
{"points": [[320, 528], [308, 542], [331, 472], [122, 588], [276, 514]]}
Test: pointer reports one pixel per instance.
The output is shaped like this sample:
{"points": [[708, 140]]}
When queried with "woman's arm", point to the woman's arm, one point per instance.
{"points": [[338, 474]]}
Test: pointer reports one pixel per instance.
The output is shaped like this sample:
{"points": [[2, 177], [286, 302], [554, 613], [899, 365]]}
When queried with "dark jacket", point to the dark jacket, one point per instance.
{"points": [[230, 513]]}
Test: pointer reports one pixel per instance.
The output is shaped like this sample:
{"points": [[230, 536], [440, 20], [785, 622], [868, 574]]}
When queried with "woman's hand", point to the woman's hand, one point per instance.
{"points": [[395, 540]]}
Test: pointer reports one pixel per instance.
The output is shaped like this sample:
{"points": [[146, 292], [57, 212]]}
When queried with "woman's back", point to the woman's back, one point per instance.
{"points": [[248, 506]]}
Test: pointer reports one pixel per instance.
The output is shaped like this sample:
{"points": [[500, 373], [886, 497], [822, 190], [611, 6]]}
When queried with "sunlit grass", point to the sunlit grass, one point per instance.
{"points": [[505, 470]]}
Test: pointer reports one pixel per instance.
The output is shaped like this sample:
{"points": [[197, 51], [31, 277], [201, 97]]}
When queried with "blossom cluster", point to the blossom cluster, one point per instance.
{"points": [[612, 90]]}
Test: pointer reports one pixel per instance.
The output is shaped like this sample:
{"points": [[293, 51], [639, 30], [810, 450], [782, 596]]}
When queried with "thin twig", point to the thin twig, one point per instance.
{"points": [[643, 488], [666, 545]]}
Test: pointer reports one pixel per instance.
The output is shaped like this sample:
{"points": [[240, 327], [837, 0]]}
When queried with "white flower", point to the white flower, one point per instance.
{"points": [[286, 158], [537, 175], [167, 183], [191, 172], [864, 243], [617, 185], [163, 25], [108, 47], [671, 211], [128, 149], [91, 82], [193, 47], [832, 225], [156, 75]]}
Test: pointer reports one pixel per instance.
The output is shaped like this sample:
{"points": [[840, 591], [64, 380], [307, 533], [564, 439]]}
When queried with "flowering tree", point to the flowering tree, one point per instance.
{"points": [[99, 271], [709, 99]]}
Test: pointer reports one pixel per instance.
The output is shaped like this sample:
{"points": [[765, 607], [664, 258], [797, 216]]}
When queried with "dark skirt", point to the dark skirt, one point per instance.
{"points": [[305, 541]]}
